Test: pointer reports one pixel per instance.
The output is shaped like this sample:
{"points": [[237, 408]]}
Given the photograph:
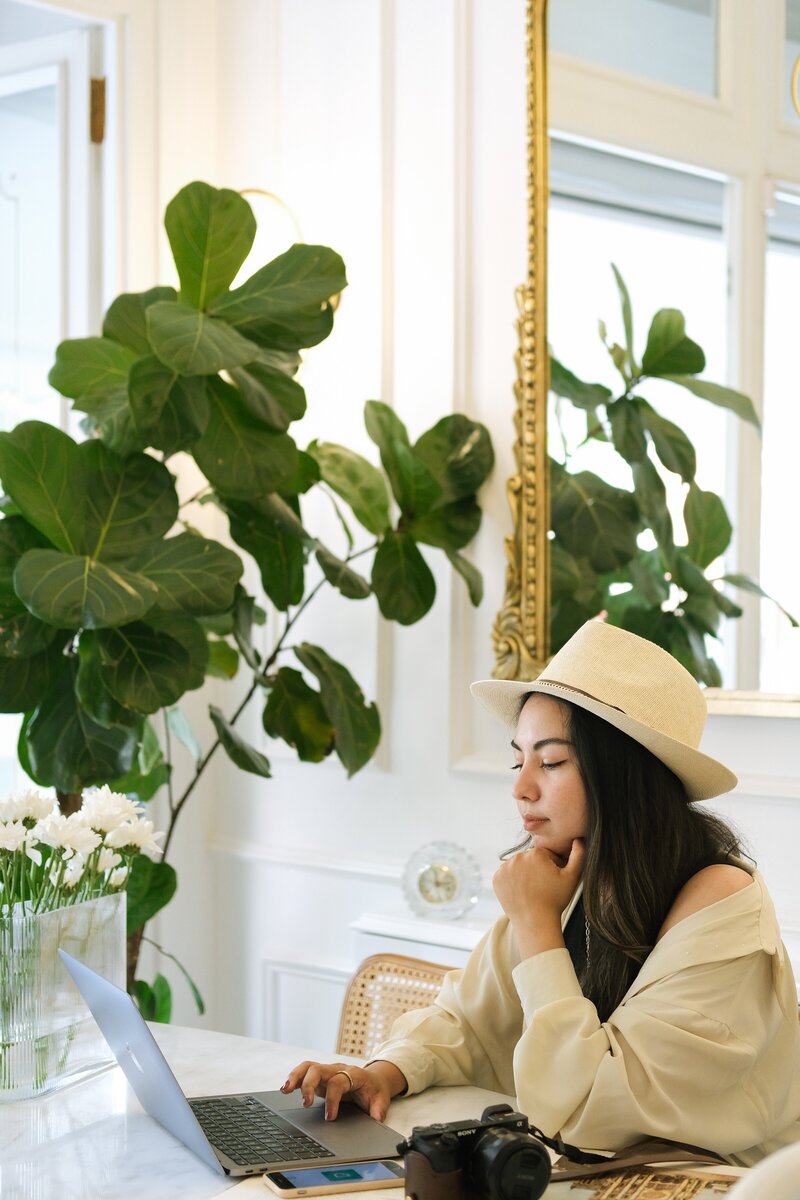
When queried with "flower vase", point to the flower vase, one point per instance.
{"points": [[48, 1037]]}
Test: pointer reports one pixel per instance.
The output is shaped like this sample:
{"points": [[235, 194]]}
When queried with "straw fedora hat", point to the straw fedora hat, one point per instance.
{"points": [[635, 686]]}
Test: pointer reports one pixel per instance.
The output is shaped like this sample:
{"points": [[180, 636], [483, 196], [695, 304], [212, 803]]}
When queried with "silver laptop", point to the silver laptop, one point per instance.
{"points": [[241, 1134]]}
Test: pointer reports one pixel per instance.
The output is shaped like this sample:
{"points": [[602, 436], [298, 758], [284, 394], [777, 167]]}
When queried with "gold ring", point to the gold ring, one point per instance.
{"points": [[342, 1071]]}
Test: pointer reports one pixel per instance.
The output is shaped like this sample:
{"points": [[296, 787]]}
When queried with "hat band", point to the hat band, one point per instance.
{"points": [[580, 692]]}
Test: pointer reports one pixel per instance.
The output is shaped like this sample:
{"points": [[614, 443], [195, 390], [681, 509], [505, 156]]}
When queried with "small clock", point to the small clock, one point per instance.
{"points": [[441, 880]]}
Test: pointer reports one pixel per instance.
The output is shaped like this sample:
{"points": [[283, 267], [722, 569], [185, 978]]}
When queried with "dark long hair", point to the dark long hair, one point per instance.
{"points": [[644, 840]]}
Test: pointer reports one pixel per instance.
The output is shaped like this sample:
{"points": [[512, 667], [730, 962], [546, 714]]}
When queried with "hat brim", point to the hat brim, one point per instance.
{"points": [[702, 776]]}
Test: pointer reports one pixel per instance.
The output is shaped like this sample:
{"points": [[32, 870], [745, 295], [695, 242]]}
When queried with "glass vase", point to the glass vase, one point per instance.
{"points": [[48, 1037]]}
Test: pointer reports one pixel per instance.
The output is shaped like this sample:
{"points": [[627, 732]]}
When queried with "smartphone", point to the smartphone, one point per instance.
{"points": [[325, 1181]]}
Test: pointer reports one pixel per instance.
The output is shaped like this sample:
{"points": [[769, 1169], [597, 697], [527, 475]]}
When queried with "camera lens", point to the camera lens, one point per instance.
{"points": [[508, 1165]]}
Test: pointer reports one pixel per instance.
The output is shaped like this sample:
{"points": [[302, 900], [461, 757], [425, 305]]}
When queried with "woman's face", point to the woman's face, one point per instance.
{"points": [[548, 790]]}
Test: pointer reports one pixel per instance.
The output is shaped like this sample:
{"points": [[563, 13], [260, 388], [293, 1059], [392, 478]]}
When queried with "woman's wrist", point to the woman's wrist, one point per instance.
{"points": [[391, 1076], [540, 931]]}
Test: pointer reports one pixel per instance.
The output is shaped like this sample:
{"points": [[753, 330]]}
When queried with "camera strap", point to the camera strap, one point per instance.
{"points": [[573, 1153]]}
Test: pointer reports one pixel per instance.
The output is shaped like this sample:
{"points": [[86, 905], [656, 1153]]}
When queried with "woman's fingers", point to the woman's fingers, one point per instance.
{"points": [[329, 1080]]}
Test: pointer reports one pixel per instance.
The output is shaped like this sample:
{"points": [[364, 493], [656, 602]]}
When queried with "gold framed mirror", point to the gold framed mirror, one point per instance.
{"points": [[521, 632]]}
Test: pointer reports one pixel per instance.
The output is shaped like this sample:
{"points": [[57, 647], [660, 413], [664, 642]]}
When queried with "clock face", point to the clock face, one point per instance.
{"points": [[437, 883], [441, 880]]}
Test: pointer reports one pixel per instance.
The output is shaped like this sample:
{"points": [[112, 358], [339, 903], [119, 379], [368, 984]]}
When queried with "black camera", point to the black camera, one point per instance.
{"points": [[496, 1158]]}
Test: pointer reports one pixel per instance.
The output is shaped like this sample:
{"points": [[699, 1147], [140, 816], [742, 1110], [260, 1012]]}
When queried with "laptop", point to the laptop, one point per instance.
{"points": [[244, 1133]]}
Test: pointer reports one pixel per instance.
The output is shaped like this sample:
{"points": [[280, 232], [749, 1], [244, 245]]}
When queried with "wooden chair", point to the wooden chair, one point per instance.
{"points": [[383, 987]]}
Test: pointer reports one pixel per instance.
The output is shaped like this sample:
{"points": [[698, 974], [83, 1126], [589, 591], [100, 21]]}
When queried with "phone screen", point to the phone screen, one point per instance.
{"points": [[368, 1172]]}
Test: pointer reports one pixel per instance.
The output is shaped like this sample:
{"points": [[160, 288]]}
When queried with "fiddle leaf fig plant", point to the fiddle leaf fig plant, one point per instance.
{"points": [[614, 548], [113, 606]]}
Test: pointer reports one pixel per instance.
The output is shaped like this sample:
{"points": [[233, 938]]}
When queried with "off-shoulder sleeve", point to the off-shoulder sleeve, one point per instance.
{"points": [[662, 1065]]}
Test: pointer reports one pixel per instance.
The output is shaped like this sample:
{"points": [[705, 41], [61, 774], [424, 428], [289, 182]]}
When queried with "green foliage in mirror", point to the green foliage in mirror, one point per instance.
{"points": [[113, 606], [614, 548]]}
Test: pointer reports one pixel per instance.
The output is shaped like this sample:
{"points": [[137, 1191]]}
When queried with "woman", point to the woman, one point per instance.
{"points": [[637, 985]]}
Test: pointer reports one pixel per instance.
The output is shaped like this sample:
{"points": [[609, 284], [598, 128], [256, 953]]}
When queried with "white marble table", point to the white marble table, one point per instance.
{"points": [[92, 1141]]}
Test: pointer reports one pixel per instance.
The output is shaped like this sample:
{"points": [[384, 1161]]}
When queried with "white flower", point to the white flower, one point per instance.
{"points": [[13, 834], [105, 810], [26, 805], [107, 859], [69, 833], [135, 835], [74, 870], [117, 878]]}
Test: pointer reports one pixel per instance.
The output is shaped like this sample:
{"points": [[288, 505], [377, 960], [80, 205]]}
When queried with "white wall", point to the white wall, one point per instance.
{"points": [[395, 131]]}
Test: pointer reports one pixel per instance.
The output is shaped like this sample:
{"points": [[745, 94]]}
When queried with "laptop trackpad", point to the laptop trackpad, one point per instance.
{"points": [[352, 1134]]}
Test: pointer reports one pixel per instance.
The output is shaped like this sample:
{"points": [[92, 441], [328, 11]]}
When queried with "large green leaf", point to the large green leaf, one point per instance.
{"points": [[211, 232], [126, 319], [169, 410], [270, 395], [448, 526], [191, 635], [145, 668], [237, 454], [356, 724], [627, 432], [357, 481], [244, 610], [415, 489], [413, 485], [748, 584], [76, 592], [151, 886], [583, 395], [670, 442], [401, 579], [279, 550], [90, 366], [669, 351], [651, 497], [469, 573], [22, 635], [128, 502], [241, 754], [41, 470], [458, 454], [344, 578], [594, 519], [193, 574], [110, 417], [23, 681], [193, 343], [70, 751], [16, 536], [715, 393], [295, 713], [707, 525], [90, 687], [284, 306]]}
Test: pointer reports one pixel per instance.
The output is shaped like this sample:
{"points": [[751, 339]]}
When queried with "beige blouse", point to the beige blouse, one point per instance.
{"points": [[704, 1047]]}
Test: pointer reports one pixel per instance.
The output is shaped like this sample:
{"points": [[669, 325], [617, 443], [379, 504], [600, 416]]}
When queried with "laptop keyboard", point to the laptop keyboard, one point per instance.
{"points": [[248, 1132]]}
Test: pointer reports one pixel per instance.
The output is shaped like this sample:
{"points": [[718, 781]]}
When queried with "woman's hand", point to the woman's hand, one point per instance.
{"points": [[534, 887], [370, 1087]]}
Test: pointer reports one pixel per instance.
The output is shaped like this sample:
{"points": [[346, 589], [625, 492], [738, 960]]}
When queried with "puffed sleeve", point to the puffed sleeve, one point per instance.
{"points": [[468, 1035]]}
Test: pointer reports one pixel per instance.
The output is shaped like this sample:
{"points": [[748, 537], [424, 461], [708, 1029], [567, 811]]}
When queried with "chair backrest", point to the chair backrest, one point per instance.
{"points": [[383, 987]]}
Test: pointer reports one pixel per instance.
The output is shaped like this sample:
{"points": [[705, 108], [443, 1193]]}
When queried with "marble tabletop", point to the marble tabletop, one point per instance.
{"points": [[92, 1141]]}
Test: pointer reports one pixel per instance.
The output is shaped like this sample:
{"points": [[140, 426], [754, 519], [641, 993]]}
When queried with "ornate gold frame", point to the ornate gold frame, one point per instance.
{"points": [[521, 633]]}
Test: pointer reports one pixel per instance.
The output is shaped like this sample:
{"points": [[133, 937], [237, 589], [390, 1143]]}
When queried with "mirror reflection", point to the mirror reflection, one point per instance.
{"points": [[667, 163]]}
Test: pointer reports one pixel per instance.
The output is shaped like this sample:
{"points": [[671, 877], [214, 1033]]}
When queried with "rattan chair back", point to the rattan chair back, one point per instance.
{"points": [[383, 987]]}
